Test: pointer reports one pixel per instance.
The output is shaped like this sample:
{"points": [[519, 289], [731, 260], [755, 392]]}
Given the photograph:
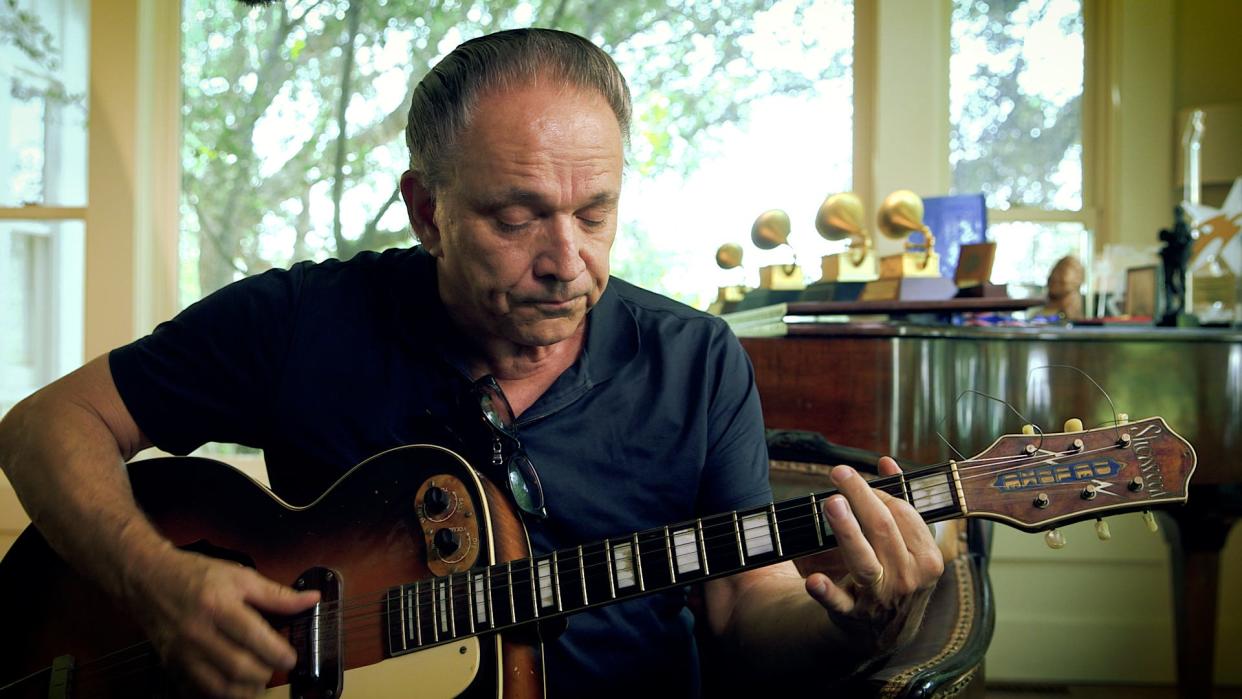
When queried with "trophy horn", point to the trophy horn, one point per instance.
{"points": [[729, 256], [902, 214], [770, 230], [840, 217]]}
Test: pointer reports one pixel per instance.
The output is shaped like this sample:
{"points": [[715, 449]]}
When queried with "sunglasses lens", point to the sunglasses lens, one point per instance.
{"points": [[525, 486]]}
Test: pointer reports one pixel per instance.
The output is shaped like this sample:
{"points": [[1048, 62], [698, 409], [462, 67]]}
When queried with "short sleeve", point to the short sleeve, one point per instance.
{"points": [[210, 373], [736, 470]]}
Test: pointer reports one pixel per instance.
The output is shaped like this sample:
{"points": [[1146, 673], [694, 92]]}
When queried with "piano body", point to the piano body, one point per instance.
{"points": [[891, 388]]}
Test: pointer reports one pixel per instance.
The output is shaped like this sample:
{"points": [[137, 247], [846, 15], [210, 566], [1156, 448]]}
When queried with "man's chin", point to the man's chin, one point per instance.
{"points": [[548, 331]]}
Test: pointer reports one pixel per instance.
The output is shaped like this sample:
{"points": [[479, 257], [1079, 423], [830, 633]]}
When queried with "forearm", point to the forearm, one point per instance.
{"points": [[67, 468]]}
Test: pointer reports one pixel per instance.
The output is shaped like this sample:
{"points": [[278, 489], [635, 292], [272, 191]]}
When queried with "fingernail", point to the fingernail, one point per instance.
{"points": [[817, 586], [842, 473], [837, 507]]}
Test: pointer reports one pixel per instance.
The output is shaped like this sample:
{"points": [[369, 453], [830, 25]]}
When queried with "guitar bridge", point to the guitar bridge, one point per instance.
{"points": [[319, 639]]}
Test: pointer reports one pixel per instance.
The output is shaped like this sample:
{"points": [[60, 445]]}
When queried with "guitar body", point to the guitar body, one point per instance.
{"points": [[371, 531]]}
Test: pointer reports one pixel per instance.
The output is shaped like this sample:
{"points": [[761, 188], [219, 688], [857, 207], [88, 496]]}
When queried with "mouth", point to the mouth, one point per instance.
{"points": [[554, 306]]}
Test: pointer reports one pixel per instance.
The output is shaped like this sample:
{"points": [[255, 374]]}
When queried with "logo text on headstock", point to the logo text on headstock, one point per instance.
{"points": [[1056, 474]]}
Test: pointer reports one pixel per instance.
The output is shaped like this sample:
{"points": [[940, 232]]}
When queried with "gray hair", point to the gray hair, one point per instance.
{"points": [[445, 99]]}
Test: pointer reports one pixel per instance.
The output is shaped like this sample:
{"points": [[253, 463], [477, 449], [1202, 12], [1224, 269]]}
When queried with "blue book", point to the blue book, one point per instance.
{"points": [[955, 220]]}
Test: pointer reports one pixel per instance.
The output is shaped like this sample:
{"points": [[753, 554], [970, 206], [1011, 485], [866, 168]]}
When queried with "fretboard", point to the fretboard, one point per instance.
{"points": [[492, 598]]}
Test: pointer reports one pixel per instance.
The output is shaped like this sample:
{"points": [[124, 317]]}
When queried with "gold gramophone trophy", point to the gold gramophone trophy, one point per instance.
{"points": [[728, 257], [914, 273], [770, 231], [841, 217], [900, 215]]}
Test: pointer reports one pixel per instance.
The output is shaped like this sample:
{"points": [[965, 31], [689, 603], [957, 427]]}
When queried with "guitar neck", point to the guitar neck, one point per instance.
{"points": [[493, 598]]}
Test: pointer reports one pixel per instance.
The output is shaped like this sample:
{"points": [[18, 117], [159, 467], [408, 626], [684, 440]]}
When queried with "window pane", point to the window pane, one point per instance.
{"points": [[1027, 251], [735, 112], [41, 266], [1015, 87], [43, 57]]}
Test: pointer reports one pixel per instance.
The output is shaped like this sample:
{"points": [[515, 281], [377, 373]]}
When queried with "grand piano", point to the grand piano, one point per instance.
{"points": [[892, 388]]}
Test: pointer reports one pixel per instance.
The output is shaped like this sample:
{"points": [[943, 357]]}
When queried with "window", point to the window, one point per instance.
{"points": [[42, 191], [1016, 114], [293, 119]]}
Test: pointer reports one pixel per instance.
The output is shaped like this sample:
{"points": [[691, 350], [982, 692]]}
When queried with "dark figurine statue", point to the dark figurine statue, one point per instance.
{"points": [[1174, 258]]}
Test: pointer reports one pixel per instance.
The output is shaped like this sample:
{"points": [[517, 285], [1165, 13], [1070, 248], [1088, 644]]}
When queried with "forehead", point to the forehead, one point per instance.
{"points": [[541, 130]]}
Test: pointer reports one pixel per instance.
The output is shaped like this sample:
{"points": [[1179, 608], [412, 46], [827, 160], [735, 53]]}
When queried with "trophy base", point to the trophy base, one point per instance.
{"points": [[909, 289], [781, 278], [910, 264], [984, 291], [841, 268], [833, 291]]}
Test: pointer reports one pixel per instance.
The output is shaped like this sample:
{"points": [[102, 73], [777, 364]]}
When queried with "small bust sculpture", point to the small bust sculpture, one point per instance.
{"points": [[1065, 289]]}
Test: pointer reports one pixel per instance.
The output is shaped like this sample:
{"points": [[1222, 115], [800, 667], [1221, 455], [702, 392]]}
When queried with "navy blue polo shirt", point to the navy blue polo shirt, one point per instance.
{"points": [[324, 365]]}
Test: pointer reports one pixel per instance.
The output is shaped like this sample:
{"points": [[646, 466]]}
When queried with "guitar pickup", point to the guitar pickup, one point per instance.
{"points": [[319, 639]]}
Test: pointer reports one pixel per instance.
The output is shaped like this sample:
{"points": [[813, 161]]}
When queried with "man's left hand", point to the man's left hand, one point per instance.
{"points": [[892, 560]]}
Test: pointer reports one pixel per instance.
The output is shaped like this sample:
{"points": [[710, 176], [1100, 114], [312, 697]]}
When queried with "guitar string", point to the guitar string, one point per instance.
{"points": [[680, 558], [350, 622]]}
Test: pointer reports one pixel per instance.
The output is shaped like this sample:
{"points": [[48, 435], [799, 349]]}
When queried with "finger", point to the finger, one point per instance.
{"points": [[829, 594], [919, 542], [887, 466], [860, 558], [871, 514], [272, 597], [224, 668], [254, 632]]}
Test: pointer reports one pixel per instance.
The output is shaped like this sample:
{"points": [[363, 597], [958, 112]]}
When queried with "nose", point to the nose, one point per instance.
{"points": [[561, 256]]}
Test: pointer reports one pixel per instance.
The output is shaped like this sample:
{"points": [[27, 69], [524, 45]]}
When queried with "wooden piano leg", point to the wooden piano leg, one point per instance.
{"points": [[1196, 540]]}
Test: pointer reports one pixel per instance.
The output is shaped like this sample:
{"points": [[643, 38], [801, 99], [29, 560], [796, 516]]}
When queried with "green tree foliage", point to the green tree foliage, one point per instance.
{"points": [[1018, 146], [315, 78]]}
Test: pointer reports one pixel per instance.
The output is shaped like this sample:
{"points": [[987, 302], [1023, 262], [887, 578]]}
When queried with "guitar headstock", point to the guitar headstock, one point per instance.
{"points": [[1035, 482]]}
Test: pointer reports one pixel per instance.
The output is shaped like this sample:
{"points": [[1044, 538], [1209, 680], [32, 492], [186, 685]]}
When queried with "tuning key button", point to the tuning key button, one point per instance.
{"points": [[1123, 418], [1055, 539], [1102, 530], [1028, 429], [1150, 520], [1041, 500], [1073, 425], [1135, 484], [1088, 493]]}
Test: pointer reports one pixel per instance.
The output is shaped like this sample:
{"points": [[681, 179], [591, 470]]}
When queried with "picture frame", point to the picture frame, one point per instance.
{"points": [[974, 264], [1142, 291]]}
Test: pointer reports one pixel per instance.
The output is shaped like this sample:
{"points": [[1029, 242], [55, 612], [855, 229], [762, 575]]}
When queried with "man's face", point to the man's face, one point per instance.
{"points": [[523, 229]]}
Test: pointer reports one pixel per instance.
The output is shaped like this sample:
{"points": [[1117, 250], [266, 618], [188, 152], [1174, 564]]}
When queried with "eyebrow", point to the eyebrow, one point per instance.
{"points": [[526, 197]]}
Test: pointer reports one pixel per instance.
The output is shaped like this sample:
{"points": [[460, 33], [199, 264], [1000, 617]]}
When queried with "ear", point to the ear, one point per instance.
{"points": [[420, 206]]}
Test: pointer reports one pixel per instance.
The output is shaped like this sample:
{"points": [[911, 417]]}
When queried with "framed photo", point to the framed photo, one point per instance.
{"points": [[1142, 284], [974, 264]]}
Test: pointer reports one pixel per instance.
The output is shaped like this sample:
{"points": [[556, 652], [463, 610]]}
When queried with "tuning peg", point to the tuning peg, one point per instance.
{"points": [[1102, 530], [1123, 418], [1150, 520], [1028, 429], [1055, 539], [1073, 425]]}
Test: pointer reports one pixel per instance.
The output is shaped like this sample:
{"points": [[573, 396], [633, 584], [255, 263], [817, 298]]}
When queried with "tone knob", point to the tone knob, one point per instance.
{"points": [[446, 542], [436, 501]]}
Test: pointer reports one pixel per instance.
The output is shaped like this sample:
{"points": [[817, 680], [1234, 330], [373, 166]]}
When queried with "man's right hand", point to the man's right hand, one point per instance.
{"points": [[204, 616]]}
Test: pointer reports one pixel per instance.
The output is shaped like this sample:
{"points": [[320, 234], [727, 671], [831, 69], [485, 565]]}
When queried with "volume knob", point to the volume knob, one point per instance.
{"points": [[436, 501], [446, 542]]}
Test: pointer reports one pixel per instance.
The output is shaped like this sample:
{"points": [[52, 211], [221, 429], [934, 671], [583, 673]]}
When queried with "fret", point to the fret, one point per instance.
{"points": [[512, 605], [487, 587], [702, 546], [799, 532], [737, 535], [418, 617], [435, 618], [668, 554], [776, 530], [638, 563], [905, 486], [817, 520], [531, 571], [612, 586], [582, 574]]}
